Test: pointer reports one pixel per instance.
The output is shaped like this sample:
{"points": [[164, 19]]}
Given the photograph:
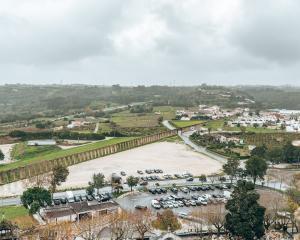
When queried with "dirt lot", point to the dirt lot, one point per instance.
{"points": [[169, 156]]}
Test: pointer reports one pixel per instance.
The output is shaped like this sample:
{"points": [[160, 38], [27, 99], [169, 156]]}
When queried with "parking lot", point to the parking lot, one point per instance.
{"points": [[182, 200]]}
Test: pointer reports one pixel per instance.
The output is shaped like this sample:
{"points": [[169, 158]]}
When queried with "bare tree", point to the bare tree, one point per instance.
{"points": [[273, 202], [90, 229], [42, 180], [120, 226], [142, 222], [214, 215], [63, 231]]}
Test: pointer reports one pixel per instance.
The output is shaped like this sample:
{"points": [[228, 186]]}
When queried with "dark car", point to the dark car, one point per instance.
{"points": [[123, 173], [141, 207], [158, 190], [77, 199], [174, 190], [190, 179], [143, 183], [164, 190], [139, 172], [105, 198], [89, 198], [153, 191], [56, 201], [83, 198], [63, 200]]}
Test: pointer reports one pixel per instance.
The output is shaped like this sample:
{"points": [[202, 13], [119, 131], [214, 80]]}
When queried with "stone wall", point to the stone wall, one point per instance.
{"points": [[41, 167]]}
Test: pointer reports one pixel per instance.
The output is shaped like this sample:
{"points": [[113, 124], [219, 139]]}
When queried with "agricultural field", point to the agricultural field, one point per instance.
{"points": [[126, 119], [214, 125], [61, 153], [182, 124], [270, 139]]}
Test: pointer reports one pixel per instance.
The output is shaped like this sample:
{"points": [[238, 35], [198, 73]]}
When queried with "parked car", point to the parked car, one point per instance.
{"points": [[89, 197], [56, 201], [184, 190], [83, 198], [190, 179], [77, 198], [123, 173], [139, 172], [141, 207], [143, 183]]}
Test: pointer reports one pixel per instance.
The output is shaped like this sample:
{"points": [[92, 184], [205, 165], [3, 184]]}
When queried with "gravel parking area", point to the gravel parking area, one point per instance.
{"points": [[170, 157]]}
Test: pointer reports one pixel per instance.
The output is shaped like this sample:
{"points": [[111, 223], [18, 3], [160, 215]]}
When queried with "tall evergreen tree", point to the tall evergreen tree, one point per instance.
{"points": [[245, 217]]}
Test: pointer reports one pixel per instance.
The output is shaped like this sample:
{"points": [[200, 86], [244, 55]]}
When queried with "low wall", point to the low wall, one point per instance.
{"points": [[45, 166]]}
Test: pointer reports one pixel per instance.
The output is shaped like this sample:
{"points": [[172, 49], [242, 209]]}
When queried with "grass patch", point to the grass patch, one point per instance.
{"points": [[172, 139], [18, 215], [63, 153], [12, 212], [22, 151], [182, 124], [214, 124]]}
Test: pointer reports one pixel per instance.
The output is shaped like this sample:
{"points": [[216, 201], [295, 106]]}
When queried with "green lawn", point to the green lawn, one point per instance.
{"points": [[214, 124], [22, 151], [12, 212], [62, 153], [181, 124]]}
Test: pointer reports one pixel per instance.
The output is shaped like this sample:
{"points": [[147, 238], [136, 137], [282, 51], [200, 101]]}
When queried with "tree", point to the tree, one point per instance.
{"points": [[59, 175], [97, 181], [202, 178], [166, 221], [215, 215], [89, 190], [274, 155], [160, 119], [1, 155], [132, 182], [231, 167], [142, 223], [35, 198], [259, 151], [120, 226], [245, 217], [256, 167]]}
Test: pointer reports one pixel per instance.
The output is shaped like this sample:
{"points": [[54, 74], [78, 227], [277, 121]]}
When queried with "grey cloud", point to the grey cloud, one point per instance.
{"points": [[79, 46], [270, 29]]}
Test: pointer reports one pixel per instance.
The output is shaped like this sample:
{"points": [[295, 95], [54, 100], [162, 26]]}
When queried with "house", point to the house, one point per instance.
{"points": [[75, 211]]}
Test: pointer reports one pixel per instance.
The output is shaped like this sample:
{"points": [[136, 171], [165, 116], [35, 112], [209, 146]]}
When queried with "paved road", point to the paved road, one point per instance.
{"points": [[168, 125], [185, 137], [96, 128]]}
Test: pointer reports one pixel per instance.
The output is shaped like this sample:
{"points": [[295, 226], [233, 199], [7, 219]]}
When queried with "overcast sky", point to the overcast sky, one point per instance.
{"points": [[131, 42]]}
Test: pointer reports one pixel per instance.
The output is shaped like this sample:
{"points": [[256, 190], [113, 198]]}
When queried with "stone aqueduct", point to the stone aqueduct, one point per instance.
{"points": [[45, 166]]}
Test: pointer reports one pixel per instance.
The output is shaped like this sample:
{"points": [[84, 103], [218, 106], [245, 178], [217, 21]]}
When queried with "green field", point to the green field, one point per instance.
{"points": [[126, 119], [22, 151], [181, 124], [214, 124], [12, 212], [62, 153]]}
